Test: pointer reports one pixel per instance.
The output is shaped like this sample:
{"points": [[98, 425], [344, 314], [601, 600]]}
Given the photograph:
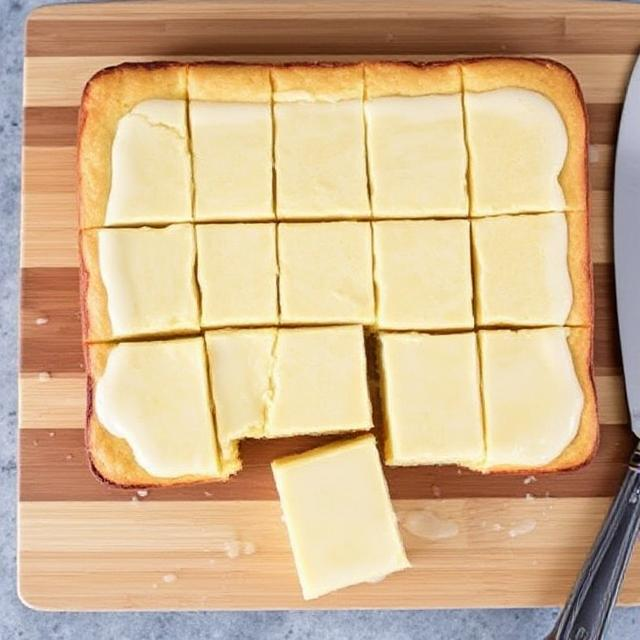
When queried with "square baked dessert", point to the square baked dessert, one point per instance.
{"points": [[252, 225], [339, 517]]}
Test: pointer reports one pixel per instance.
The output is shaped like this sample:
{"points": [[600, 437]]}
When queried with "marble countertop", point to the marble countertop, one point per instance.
{"points": [[17, 621]]}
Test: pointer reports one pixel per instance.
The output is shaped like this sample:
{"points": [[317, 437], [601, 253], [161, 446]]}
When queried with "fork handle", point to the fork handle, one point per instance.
{"points": [[588, 609]]}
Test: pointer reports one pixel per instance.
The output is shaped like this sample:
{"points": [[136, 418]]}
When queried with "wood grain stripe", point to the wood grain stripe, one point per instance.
{"points": [[606, 340], [52, 402], [378, 9], [56, 126], [51, 336], [128, 549], [62, 459], [602, 77], [51, 333], [289, 32]]}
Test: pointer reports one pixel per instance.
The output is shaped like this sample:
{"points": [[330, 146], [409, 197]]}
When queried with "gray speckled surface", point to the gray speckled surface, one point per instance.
{"points": [[16, 621]]}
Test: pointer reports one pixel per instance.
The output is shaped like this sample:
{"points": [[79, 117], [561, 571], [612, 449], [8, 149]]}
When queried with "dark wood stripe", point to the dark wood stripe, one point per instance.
{"points": [[50, 126], [268, 34], [55, 468], [56, 126], [606, 341], [51, 335], [601, 168], [51, 294], [603, 122]]}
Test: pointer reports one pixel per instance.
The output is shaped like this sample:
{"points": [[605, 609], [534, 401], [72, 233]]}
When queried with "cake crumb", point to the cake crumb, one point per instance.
{"points": [[232, 548], [42, 320], [248, 548], [522, 528], [169, 578], [142, 493], [43, 376], [529, 480], [529, 497]]}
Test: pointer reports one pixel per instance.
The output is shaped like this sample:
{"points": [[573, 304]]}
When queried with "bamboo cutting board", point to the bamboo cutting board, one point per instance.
{"points": [[510, 541]]}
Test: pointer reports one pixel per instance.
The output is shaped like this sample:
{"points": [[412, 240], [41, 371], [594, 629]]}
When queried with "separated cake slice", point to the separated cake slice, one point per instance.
{"points": [[149, 417], [423, 274], [539, 400], [237, 274], [326, 273], [139, 282], [231, 141], [532, 270], [526, 129], [415, 140], [320, 156], [431, 392], [339, 516], [285, 382], [133, 151]]}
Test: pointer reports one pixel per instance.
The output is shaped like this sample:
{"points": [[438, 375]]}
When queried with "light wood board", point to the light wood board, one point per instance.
{"points": [[84, 545]]}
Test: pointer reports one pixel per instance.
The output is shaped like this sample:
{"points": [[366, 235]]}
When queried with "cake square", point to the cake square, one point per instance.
{"points": [[538, 398], [532, 270], [241, 363], [237, 273], [527, 136], [415, 140], [423, 274], [339, 516], [150, 166], [139, 282], [231, 141], [319, 382], [326, 273], [431, 391], [134, 118], [320, 156], [283, 382], [141, 435]]}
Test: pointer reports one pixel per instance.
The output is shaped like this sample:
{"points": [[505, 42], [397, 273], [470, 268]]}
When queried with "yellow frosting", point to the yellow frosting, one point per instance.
{"points": [[423, 274], [320, 160], [532, 397], [319, 382], [417, 156], [432, 399], [237, 274], [155, 395], [326, 273], [241, 364], [518, 144], [339, 516], [150, 166], [232, 155], [148, 275], [522, 273]]}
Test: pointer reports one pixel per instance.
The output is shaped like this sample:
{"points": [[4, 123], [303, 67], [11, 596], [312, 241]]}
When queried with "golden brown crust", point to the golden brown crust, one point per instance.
{"points": [[585, 444], [110, 94], [557, 83], [93, 298], [411, 79], [111, 458], [579, 257], [221, 82], [322, 82]]}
